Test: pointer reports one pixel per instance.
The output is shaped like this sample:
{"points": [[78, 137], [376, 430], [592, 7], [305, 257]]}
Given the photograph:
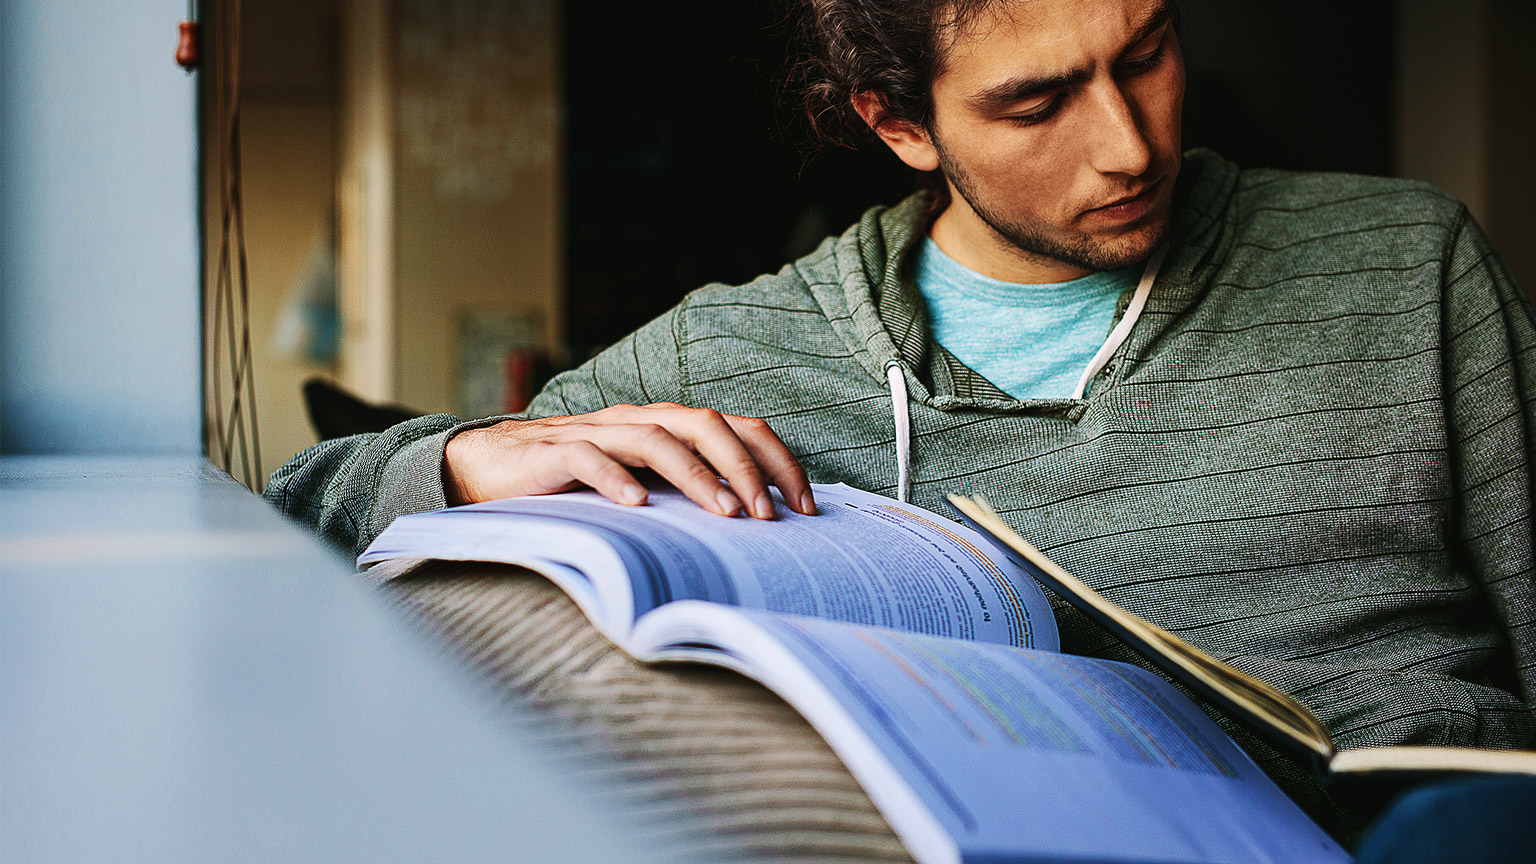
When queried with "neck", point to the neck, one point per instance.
{"points": [[968, 239]]}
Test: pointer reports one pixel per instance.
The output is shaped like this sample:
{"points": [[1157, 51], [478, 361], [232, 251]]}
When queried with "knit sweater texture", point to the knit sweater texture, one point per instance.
{"points": [[1310, 458]]}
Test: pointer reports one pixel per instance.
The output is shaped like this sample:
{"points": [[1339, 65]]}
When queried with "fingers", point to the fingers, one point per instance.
{"points": [[718, 442], [690, 448], [588, 464], [743, 450], [781, 466], [656, 447]]}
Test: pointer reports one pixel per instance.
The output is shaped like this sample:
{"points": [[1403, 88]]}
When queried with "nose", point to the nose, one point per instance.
{"points": [[1118, 144]]}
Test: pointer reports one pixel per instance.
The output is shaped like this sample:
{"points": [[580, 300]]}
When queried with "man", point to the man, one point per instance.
{"points": [[1304, 445]]}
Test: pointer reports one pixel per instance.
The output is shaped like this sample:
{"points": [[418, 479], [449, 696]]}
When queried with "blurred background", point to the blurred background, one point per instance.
{"points": [[448, 200]]}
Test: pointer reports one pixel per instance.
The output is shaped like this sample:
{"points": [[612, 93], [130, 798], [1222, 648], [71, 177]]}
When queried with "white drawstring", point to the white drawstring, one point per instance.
{"points": [[1122, 330], [903, 428]]}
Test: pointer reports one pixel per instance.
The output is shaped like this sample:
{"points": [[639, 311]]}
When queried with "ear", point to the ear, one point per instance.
{"points": [[906, 139]]}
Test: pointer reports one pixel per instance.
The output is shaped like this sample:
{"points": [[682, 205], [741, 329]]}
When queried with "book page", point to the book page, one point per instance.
{"points": [[1023, 755], [865, 558], [1432, 762], [592, 571]]}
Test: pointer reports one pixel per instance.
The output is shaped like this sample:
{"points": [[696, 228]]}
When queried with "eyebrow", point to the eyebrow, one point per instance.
{"points": [[1021, 89]]}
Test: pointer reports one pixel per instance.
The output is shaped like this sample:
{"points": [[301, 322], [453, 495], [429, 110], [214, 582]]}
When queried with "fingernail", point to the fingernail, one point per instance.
{"points": [[763, 506], [728, 503], [808, 504], [634, 494]]}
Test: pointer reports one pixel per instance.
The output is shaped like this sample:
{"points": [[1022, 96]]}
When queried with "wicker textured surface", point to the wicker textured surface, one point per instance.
{"points": [[721, 761]]}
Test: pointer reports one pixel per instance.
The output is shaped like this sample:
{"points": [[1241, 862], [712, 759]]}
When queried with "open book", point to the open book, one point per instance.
{"points": [[1265, 710], [927, 659]]}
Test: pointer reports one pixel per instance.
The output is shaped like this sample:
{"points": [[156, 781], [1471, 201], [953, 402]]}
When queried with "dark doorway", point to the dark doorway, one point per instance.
{"points": [[680, 168]]}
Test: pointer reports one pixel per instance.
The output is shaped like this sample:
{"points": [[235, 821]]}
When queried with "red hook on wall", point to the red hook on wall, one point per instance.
{"points": [[187, 49]]}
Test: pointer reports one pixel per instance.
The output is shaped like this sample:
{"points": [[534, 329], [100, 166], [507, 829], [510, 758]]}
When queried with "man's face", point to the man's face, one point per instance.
{"points": [[1056, 124]]}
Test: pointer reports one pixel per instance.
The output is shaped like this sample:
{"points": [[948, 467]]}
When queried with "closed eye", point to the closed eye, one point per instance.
{"points": [[1041, 114], [1147, 59]]}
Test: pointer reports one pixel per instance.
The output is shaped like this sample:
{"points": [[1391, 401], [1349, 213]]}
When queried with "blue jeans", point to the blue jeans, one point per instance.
{"points": [[1490, 820]]}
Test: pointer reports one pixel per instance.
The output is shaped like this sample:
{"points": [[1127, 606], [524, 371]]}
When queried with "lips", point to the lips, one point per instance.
{"points": [[1131, 206], [1127, 199], [1145, 192]]}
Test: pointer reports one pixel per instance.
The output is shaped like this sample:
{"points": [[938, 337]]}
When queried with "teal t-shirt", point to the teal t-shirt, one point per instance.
{"points": [[1032, 341]]}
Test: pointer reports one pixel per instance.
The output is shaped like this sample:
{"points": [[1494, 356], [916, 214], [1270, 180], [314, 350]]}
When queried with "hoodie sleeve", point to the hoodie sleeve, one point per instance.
{"points": [[1490, 382], [347, 490]]}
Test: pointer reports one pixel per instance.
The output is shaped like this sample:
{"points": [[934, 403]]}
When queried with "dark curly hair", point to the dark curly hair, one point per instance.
{"points": [[892, 48]]}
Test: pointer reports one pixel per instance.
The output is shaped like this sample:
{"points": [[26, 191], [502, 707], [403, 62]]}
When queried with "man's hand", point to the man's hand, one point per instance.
{"points": [[690, 448]]}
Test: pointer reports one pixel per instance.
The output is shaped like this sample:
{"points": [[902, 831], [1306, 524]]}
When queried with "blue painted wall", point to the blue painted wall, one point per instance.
{"points": [[99, 266]]}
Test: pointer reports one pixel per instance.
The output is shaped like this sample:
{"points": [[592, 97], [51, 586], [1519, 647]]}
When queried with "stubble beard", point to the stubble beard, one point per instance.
{"points": [[1037, 239]]}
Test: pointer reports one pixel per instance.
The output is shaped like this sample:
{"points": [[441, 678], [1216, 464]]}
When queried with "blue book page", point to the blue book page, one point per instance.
{"points": [[1036, 756], [663, 562], [864, 559], [869, 559], [591, 554]]}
